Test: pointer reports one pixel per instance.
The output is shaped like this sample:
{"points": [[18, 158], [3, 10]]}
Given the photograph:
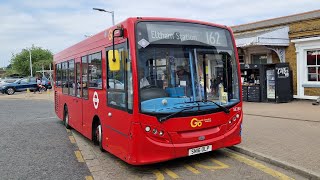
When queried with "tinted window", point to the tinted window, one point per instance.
{"points": [[84, 77], [119, 80], [78, 81], [65, 78], [71, 82], [58, 75], [95, 73]]}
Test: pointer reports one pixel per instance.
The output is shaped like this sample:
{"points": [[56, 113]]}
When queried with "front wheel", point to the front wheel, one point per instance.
{"points": [[97, 139], [10, 91], [66, 118]]}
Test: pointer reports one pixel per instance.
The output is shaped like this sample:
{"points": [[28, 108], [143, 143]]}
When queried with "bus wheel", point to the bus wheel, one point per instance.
{"points": [[66, 118], [97, 139]]}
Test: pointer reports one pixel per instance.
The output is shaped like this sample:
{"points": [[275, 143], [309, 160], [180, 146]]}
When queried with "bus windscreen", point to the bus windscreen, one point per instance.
{"points": [[185, 64]]}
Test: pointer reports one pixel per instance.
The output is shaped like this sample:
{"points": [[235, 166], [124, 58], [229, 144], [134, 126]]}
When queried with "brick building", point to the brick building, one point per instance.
{"points": [[294, 39]]}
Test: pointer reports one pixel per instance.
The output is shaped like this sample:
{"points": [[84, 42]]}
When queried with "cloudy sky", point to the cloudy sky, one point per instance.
{"points": [[58, 24]]}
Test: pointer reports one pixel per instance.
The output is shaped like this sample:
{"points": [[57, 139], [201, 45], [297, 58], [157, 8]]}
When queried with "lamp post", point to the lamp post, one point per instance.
{"points": [[103, 10], [30, 63]]}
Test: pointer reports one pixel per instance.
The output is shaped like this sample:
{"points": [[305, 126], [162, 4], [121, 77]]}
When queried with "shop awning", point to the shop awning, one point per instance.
{"points": [[271, 37]]}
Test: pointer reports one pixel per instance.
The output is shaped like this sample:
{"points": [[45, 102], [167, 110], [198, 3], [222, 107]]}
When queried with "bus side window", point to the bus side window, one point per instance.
{"points": [[84, 84], [119, 83]]}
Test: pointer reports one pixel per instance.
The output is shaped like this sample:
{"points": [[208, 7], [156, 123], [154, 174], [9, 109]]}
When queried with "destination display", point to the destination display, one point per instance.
{"points": [[179, 34]]}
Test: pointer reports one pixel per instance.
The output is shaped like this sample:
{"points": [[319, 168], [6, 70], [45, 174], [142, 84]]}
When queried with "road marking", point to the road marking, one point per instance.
{"points": [[259, 166], [79, 156], [171, 173], [158, 174], [72, 140], [89, 178], [192, 169], [68, 130], [220, 165], [46, 118]]}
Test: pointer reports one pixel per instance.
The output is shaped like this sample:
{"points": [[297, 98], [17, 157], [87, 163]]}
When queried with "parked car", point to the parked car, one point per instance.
{"points": [[23, 85], [4, 81]]}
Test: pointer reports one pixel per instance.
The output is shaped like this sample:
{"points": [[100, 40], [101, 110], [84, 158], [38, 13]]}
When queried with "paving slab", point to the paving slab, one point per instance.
{"points": [[287, 132]]}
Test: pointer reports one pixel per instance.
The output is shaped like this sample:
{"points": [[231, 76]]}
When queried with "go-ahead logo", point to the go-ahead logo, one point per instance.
{"points": [[195, 122]]}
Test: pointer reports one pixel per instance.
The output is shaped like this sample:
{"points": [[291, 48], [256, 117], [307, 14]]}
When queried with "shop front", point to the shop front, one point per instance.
{"points": [[294, 40]]}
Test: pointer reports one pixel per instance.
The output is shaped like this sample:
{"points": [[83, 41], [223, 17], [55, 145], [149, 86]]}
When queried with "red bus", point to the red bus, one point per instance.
{"points": [[152, 89]]}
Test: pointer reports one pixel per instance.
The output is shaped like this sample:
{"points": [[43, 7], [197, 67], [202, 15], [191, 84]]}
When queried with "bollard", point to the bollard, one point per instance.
{"points": [[28, 92]]}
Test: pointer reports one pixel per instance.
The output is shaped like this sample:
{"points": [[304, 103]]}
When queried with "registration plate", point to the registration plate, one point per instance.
{"points": [[199, 150]]}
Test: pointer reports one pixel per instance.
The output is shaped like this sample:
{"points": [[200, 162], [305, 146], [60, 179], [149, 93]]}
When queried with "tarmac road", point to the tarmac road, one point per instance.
{"points": [[34, 144]]}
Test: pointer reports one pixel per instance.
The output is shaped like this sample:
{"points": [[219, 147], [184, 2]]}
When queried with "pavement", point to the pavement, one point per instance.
{"points": [[284, 134]]}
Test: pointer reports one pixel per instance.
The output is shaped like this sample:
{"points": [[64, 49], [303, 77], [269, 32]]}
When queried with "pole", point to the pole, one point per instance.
{"points": [[103, 10], [42, 71], [112, 13], [30, 63]]}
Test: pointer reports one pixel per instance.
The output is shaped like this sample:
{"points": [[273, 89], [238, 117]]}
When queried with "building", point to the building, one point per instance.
{"points": [[294, 39]]}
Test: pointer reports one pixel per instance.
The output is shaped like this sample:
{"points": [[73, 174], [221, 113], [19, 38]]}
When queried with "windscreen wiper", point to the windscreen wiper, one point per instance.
{"points": [[175, 113], [224, 109]]}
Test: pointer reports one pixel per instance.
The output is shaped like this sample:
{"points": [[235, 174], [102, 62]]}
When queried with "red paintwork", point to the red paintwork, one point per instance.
{"points": [[123, 133]]}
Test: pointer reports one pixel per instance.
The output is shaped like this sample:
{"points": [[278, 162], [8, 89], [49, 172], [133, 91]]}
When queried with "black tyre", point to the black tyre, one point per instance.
{"points": [[66, 118], [10, 91], [97, 136]]}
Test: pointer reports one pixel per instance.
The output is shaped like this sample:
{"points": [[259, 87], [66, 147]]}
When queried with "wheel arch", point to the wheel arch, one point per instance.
{"points": [[95, 122]]}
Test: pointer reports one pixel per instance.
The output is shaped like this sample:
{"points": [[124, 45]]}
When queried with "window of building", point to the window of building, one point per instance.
{"points": [[84, 84], [313, 65], [259, 59], [241, 59], [71, 82], [95, 70], [65, 77]]}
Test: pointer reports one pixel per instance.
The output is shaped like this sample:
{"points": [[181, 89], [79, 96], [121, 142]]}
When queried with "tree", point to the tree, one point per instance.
{"points": [[9, 66], [21, 62]]}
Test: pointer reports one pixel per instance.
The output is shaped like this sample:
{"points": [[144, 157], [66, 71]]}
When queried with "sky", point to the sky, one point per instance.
{"points": [[58, 24]]}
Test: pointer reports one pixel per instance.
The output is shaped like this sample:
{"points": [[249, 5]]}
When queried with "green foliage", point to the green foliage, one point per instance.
{"points": [[21, 62]]}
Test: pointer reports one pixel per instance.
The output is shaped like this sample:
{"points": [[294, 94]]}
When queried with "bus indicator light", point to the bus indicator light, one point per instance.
{"points": [[161, 133], [154, 131]]}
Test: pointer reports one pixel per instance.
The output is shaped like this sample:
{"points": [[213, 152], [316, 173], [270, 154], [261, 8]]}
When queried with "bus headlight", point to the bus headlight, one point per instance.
{"points": [[147, 128]]}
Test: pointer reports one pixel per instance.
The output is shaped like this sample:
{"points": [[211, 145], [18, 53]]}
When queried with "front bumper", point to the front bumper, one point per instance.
{"points": [[151, 151]]}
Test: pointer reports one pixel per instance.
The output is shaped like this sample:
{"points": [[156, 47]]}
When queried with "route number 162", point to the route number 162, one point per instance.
{"points": [[213, 38]]}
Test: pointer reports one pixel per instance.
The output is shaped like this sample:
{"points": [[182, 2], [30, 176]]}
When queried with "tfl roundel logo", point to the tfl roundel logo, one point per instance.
{"points": [[195, 123]]}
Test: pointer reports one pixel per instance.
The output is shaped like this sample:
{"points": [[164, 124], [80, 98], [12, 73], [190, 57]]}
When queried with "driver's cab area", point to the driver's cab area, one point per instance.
{"points": [[162, 75]]}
